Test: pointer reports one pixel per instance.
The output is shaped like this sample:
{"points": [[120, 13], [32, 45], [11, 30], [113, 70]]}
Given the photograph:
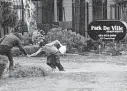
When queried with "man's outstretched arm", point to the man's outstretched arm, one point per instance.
{"points": [[53, 43], [36, 53], [22, 49]]}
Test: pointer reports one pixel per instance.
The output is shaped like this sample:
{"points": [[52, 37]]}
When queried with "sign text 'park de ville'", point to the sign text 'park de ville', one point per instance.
{"points": [[107, 30]]}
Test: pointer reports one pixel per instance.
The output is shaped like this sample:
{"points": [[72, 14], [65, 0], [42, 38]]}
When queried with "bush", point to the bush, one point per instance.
{"points": [[71, 39], [36, 37], [3, 63], [28, 49], [8, 17], [27, 71], [27, 40], [91, 45], [21, 27], [112, 48]]}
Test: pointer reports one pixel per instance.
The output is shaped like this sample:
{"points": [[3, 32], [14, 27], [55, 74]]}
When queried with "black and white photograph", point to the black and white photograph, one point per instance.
{"points": [[63, 45]]}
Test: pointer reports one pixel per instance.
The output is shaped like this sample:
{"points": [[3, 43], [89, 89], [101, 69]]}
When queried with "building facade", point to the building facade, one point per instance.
{"points": [[74, 14], [86, 11]]}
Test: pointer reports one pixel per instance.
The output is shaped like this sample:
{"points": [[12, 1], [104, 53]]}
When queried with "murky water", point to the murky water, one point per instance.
{"points": [[83, 73]]}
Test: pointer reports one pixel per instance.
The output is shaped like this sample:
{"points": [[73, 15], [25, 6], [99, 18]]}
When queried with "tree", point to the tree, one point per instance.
{"points": [[8, 16]]}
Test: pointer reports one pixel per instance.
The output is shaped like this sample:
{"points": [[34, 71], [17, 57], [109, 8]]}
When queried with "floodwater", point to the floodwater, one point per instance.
{"points": [[83, 73]]}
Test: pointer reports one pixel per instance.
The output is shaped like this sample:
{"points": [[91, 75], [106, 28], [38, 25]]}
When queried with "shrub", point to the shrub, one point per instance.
{"points": [[27, 71], [3, 63], [27, 40], [8, 17], [112, 48], [36, 37], [21, 27], [91, 45], [71, 39]]}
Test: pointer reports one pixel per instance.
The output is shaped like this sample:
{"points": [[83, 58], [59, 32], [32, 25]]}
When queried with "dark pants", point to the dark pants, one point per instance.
{"points": [[54, 61], [6, 50]]}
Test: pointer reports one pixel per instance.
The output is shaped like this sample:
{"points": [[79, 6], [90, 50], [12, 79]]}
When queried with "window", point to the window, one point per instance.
{"points": [[99, 9], [60, 10]]}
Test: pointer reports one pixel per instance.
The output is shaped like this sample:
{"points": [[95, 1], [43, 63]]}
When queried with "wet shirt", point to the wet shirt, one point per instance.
{"points": [[50, 49], [12, 41]]}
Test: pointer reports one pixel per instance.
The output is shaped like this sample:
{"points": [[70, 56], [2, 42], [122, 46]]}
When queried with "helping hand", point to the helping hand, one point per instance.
{"points": [[28, 55]]}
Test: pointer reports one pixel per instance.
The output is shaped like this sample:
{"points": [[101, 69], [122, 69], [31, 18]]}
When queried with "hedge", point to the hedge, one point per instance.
{"points": [[21, 71]]}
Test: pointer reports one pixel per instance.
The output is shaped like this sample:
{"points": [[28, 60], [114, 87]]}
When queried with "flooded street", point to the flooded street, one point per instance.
{"points": [[83, 73]]}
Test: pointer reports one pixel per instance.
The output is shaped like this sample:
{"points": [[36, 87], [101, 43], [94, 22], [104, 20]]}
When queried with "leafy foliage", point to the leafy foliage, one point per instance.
{"points": [[8, 16], [3, 63], [21, 27], [27, 71], [71, 39]]}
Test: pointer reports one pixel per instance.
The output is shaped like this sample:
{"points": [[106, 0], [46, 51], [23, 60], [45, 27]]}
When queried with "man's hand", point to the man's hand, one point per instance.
{"points": [[11, 68], [28, 55]]}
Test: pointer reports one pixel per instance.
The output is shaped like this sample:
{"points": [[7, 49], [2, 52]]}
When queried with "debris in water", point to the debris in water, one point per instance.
{"points": [[20, 71]]}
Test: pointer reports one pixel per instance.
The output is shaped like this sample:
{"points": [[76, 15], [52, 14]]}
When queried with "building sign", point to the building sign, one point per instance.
{"points": [[107, 30]]}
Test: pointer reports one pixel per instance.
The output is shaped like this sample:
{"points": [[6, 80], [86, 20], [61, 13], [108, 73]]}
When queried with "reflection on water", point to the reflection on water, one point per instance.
{"points": [[105, 76]]}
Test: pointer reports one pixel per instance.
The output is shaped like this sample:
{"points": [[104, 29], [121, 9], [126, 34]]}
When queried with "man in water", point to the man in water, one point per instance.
{"points": [[52, 50], [7, 43]]}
